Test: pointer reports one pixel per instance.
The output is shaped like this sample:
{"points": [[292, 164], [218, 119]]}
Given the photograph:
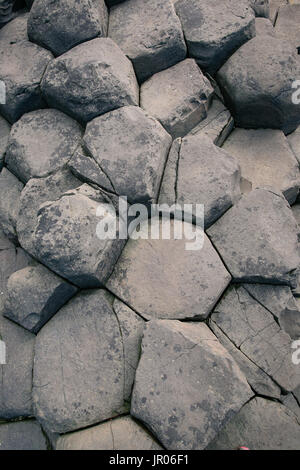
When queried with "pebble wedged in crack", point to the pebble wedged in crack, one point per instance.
{"points": [[4, 135], [79, 375], [261, 97], [257, 239], [23, 66], [265, 159], [41, 142], [205, 174], [259, 381], [178, 97], [90, 79], [34, 295], [209, 387], [260, 425], [65, 238], [131, 148], [15, 30], [163, 279], [10, 190], [61, 25], [214, 30], [157, 42], [23, 435], [118, 434], [254, 330], [37, 192], [287, 24], [280, 301]]}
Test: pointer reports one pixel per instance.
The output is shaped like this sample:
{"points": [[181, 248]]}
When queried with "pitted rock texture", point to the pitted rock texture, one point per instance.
{"points": [[90, 79], [23, 435], [63, 24]]}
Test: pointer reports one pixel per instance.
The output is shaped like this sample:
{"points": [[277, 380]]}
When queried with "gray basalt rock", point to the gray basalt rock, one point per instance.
{"points": [[16, 382], [257, 239], [178, 97], [119, 434], [294, 141], [205, 174], [291, 403], [41, 142], [264, 26], [4, 135], [281, 429], [259, 381], [34, 295], [261, 8], [157, 42], [15, 31], [266, 159], [165, 278], [66, 241], [279, 301], [218, 124], [10, 190], [210, 388], [131, 148], [214, 30], [6, 11], [79, 369], [253, 329], [287, 24], [91, 79], [61, 25], [261, 97], [274, 8], [23, 66], [22, 435]]}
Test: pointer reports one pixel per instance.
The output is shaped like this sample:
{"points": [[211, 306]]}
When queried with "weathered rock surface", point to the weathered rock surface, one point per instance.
{"points": [[260, 425], [65, 238], [264, 26], [266, 159], [259, 381], [157, 42], [23, 66], [178, 97], [214, 30], [37, 192], [279, 301], [41, 142], [291, 403], [4, 134], [257, 239], [287, 24], [22, 435], [163, 279], [274, 8], [15, 31], [79, 370], [294, 141], [16, 382], [210, 388], [131, 148], [34, 295], [262, 96], [261, 7], [218, 124], [118, 434], [205, 174], [59, 26], [10, 190], [91, 79], [253, 329]]}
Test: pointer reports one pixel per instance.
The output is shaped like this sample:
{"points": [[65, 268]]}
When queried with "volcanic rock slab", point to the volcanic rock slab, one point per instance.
{"points": [[214, 30], [266, 159], [4, 135], [15, 31], [294, 141], [261, 97], [90, 79], [257, 239], [22, 435], [149, 33], [131, 148], [41, 142], [61, 25], [10, 190], [178, 97], [287, 24], [119, 434], [210, 388], [79, 370]]}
